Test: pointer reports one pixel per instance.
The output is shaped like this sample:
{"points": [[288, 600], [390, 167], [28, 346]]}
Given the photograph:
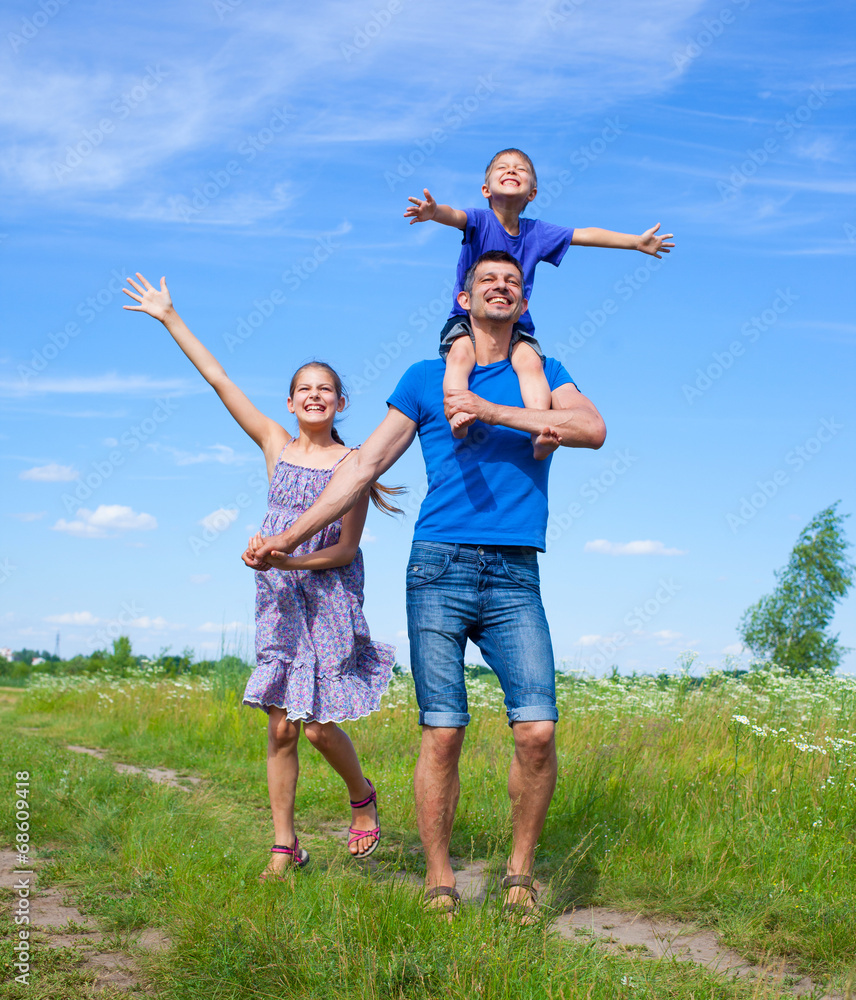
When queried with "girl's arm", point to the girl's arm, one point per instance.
{"points": [[648, 242], [268, 434], [422, 211], [340, 554]]}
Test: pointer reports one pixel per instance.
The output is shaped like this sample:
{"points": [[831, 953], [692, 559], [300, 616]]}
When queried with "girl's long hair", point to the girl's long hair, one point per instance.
{"points": [[377, 491]]}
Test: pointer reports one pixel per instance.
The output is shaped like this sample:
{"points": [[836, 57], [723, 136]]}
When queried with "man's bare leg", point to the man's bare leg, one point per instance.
{"points": [[531, 783], [437, 787]]}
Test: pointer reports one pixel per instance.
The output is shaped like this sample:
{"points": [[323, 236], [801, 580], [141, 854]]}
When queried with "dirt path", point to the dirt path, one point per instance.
{"points": [[54, 924], [160, 775]]}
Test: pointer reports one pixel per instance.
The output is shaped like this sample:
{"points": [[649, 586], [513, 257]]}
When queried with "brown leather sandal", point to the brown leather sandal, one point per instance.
{"points": [[450, 900], [526, 913]]}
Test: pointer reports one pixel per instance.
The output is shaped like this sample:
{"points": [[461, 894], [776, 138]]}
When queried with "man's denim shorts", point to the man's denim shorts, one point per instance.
{"points": [[492, 596]]}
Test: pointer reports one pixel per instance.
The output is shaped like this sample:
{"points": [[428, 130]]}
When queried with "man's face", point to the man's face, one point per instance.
{"points": [[497, 293]]}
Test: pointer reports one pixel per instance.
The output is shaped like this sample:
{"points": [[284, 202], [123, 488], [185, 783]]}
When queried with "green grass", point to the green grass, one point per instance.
{"points": [[666, 803]]}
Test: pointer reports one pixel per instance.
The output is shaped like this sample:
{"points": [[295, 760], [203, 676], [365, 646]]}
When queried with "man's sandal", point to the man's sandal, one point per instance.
{"points": [[358, 835], [525, 913], [449, 900], [299, 858]]}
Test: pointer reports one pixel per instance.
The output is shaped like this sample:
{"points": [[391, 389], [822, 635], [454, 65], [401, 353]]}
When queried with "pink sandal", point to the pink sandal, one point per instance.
{"points": [[357, 835], [299, 855]]}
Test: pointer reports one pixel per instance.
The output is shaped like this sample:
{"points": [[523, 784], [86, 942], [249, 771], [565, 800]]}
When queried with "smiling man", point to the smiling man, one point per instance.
{"points": [[473, 569]]}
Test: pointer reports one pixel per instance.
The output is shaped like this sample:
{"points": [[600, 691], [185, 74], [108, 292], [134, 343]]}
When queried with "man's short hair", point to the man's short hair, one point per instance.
{"points": [[522, 156], [492, 255]]}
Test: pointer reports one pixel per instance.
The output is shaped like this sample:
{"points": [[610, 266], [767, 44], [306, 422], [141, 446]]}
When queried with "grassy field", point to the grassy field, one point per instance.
{"points": [[731, 802]]}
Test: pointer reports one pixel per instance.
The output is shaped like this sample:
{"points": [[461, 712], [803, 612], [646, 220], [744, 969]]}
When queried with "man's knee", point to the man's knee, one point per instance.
{"points": [[443, 744], [536, 741]]}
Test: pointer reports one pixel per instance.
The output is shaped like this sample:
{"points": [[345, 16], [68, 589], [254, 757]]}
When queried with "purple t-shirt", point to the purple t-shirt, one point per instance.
{"points": [[535, 242]]}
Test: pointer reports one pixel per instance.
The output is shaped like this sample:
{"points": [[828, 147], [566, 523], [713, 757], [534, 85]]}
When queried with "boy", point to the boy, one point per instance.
{"points": [[509, 185]]}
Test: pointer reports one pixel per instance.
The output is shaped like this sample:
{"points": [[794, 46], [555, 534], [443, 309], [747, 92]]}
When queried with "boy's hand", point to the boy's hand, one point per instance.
{"points": [[421, 211], [650, 243], [155, 303]]}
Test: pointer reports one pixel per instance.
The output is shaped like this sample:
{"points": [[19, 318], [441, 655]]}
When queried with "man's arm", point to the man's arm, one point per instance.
{"points": [[648, 242], [353, 476], [573, 415]]}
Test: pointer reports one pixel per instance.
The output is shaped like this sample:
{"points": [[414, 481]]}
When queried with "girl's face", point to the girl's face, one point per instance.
{"points": [[315, 401]]}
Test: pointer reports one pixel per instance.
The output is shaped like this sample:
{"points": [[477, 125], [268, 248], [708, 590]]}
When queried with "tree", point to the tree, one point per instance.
{"points": [[788, 627]]}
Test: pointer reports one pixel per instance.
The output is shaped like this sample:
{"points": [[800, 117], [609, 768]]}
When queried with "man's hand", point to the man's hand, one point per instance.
{"points": [[650, 243], [421, 211], [464, 401]]}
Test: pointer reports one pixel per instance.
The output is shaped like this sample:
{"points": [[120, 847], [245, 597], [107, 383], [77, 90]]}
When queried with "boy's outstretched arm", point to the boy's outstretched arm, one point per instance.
{"points": [[649, 242], [424, 209]]}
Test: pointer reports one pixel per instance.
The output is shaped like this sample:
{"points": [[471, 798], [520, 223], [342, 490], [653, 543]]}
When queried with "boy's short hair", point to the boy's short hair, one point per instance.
{"points": [[490, 255], [520, 153]]}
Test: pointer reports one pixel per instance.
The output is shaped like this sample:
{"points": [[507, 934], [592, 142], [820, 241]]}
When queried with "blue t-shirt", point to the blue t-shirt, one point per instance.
{"points": [[486, 489], [535, 242]]}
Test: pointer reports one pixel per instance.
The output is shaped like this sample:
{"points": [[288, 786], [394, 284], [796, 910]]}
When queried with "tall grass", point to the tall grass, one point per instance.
{"points": [[729, 801]]}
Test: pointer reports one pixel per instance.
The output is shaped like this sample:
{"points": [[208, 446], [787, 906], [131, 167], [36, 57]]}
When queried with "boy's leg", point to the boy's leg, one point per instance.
{"points": [[460, 361], [535, 390]]}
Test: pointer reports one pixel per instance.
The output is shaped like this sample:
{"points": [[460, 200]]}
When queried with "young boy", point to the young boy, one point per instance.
{"points": [[509, 185]]}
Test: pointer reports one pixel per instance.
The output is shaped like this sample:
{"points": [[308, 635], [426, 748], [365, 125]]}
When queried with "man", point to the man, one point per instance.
{"points": [[473, 571]]}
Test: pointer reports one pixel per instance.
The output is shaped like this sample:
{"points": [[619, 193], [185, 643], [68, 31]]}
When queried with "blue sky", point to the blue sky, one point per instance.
{"points": [[260, 157]]}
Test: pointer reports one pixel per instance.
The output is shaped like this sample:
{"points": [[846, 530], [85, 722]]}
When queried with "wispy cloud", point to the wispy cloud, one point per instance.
{"points": [[105, 521], [220, 519], [29, 516], [638, 548], [220, 453], [52, 473], [73, 618], [108, 384]]}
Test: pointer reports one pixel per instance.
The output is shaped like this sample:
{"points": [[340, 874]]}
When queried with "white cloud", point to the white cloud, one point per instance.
{"points": [[30, 516], [368, 537], [50, 473], [224, 627], [638, 548], [107, 384], [666, 635], [73, 618], [734, 649], [151, 623], [105, 521], [220, 519], [595, 639], [200, 578], [220, 453]]}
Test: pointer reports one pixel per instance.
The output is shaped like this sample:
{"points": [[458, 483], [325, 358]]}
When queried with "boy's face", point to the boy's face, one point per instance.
{"points": [[510, 179]]}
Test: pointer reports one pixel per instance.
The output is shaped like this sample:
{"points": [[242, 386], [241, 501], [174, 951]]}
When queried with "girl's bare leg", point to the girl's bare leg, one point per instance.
{"points": [[535, 390], [460, 362], [337, 749], [282, 770]]}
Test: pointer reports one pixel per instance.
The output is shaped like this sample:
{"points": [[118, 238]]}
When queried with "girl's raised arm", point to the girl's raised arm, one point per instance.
{"points": [[268, 434]]}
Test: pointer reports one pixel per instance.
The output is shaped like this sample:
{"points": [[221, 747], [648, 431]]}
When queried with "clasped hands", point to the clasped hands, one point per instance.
{"points": [[261, 555]]}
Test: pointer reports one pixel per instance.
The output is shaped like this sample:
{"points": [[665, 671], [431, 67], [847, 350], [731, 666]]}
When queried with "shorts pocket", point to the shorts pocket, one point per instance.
{"points": [[422, 571]]}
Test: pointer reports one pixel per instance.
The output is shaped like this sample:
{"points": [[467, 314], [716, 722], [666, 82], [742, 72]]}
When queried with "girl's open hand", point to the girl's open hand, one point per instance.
{"points": [[421, 211], [155, 303]]}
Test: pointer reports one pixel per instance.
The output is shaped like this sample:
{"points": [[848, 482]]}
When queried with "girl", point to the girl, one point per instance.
{"points": [[316, 663]]}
